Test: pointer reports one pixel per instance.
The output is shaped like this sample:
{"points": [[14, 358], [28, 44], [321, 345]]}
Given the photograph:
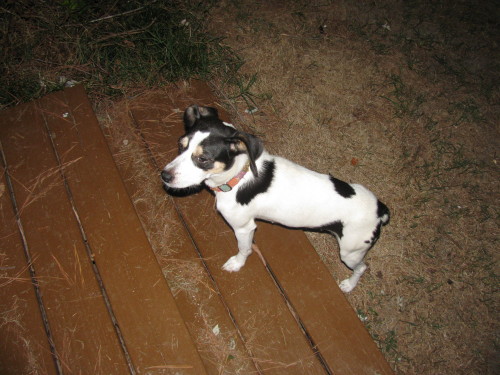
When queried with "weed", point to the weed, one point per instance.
{"points": [[391, 343], [466, 111], [414, 280], [244, 91], [405, 100], [388, 343], [107, 45]]}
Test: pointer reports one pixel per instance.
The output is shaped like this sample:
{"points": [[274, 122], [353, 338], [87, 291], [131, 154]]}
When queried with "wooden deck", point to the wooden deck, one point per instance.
{"points": [[82, 292]]}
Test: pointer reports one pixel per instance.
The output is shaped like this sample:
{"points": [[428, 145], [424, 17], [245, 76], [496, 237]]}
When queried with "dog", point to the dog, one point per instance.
{"points": [[249, 184]]}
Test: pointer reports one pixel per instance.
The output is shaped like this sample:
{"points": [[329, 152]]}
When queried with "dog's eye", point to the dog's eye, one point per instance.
{"points": [[202, 159]]}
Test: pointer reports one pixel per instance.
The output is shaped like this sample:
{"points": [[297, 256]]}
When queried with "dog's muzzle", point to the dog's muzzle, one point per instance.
{"points": [[166, 177]]}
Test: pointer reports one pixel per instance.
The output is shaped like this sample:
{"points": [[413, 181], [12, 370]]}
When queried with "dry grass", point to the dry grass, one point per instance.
{"points": [[398, 98]]}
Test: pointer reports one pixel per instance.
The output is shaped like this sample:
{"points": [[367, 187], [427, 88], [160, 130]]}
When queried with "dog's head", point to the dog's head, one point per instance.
{"points": [[211, 151]]}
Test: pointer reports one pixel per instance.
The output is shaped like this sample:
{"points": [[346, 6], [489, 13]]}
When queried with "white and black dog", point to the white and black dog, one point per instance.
{"points": [[249, 184]]}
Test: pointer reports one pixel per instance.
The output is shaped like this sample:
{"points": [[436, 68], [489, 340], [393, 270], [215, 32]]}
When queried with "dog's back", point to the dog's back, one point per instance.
{"points": [[300, 198]]}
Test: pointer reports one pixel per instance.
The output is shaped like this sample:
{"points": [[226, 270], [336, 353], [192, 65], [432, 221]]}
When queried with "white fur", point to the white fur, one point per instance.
{"points": [[297, 197], [184, 169]]}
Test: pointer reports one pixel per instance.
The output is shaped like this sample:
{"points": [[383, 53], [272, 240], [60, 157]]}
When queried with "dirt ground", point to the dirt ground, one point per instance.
{"points": [[403, 98]]}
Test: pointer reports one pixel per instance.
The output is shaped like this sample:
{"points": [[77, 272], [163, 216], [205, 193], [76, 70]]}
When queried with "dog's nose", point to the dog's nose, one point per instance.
{"points": [[166, 177]]}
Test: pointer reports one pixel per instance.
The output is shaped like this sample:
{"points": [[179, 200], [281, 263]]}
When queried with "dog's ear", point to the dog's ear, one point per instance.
{"points": [[194, 113], [253, 146]]}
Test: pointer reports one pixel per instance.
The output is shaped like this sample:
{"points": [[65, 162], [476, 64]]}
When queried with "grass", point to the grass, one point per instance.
{"points": [[244, 91], [405, 100], [109, 46], [416, 85]]}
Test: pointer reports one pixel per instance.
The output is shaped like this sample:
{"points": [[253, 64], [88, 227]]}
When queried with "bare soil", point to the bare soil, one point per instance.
{"points": [[403, 98]]}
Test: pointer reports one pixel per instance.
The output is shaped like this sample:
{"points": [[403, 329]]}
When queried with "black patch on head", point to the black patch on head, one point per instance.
{"points": [[335, 228], [253, 146], [195, 113], [222, 143], [205, 119], [382, 210], [215, 149], [258, 185], [203, 161], [343, 188]]}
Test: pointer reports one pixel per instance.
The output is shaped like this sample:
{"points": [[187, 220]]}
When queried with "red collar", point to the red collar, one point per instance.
{"points": [[228, 186]]}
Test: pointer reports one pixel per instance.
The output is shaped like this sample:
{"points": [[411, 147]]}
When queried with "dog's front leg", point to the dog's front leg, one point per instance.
{"points": [[244, 235]]}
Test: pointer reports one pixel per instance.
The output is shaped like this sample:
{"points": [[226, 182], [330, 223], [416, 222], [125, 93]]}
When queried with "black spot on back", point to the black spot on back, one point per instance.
{"points": [[343, 188], [258, 185]]}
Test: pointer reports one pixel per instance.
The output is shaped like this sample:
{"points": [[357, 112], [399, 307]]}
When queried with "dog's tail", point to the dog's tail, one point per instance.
{"points": [[383, 213]]}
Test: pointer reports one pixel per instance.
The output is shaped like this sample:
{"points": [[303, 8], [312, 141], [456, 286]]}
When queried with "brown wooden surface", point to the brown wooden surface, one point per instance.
{"points": [[85, 338], [24, 344], [133, 279], [107, 304], [54, 241], [273, 304]]}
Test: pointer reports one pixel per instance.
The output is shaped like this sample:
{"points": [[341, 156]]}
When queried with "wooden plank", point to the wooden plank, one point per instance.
{"points": [[153, 330], [24, 348], [83, 335], [331, 322], [201, 307], [270, 331], [322, 309]]}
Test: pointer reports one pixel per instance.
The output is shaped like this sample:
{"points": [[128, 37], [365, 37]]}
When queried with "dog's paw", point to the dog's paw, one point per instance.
{"points": [[234, 264], [346, 286]]}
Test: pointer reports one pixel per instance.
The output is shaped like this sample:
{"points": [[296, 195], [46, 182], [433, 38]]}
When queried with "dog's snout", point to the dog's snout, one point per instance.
{"points": [[166, 176]]}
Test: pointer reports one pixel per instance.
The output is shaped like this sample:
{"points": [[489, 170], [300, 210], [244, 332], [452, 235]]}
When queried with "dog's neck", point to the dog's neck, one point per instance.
{"points": [[235, 172]]}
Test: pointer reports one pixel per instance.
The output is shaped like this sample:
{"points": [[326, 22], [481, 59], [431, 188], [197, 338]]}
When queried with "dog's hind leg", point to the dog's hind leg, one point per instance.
{"points": [[352, 254], [244, 235], [349, 284]]}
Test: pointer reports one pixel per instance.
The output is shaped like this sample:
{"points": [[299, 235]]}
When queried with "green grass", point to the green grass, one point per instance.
{"points": [[388, 343], [405, 100], [244, 91], [107, 45]]}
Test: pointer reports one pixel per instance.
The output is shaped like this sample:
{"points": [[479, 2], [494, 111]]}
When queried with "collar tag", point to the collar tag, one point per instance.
{"points": [[225, 188]]}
